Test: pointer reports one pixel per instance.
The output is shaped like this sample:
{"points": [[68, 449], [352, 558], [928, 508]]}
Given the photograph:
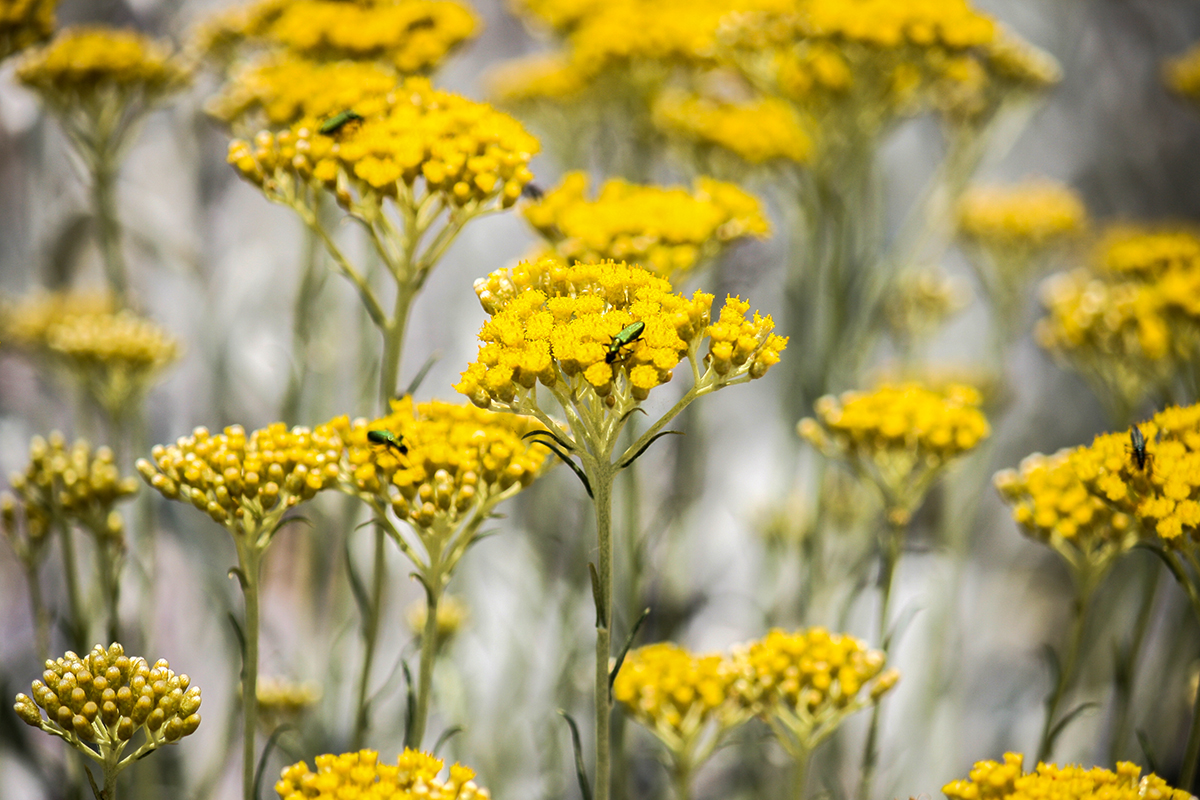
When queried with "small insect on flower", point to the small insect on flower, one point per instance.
{"points": [[531, 191], [628, 335], [335, 124], [387, 439], [1137, 449]]}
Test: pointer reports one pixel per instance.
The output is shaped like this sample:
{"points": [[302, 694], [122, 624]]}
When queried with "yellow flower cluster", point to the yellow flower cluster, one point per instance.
{"points": [[1182, 74], [409, 36], [106, 697], [281, 90], [24, 23], [28, 322], [1053, 506], [1163, 495], [900, 437], [557, 325], [1149, 254], [992, 780], [82, 65], [75, 484], [758, 131], [810, 680], [921, 300], [360, 776], [121, 343], [677, 694], [246, 483], [279, 697], [451, 615], [538, 77], [670, 231], [459, 460], [466, 153], [1026, 217]]}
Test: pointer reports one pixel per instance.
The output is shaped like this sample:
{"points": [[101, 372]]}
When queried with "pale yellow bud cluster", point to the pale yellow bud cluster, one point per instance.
{"points": [[452, 614], [992, 780], [360, 776], [279, 697], [106, 697], [1028, 216], [28, 321], [922, 300], [123, 343], [246, 482], [24, 23], [761, 131]]}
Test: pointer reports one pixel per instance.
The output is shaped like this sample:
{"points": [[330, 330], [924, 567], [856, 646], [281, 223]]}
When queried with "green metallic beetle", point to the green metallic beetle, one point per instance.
{"points": [[628, 335], [334, 124], [389, 440]]}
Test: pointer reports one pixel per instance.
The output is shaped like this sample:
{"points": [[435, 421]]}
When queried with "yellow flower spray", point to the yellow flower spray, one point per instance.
{"points": [[598, 338]]}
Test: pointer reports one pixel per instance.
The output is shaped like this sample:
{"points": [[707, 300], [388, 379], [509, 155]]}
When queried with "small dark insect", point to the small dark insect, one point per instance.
{"points": [[334, 124], [1138, 448], [628, 335], [387, 439], [532, 191]]}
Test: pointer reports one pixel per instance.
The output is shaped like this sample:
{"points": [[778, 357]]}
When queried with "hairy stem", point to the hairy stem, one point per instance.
{"points": [[893, 537], [250, 559], [1066, 676], [108, 229], [602, 488], [78, 626], [429, 646], [362, 718]]}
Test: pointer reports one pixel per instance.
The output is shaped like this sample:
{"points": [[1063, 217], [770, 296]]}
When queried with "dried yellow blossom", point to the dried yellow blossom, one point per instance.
{"points": [[1148, 253], [899, 437], [668, 230], [686, 700], [1053, 506], [26, 322], [280, 698], [809, 682], [409, 36], [360, 776], [246, 482], [758, 131], [556, 324], [101, 68], [1182, 74], [1024, 218], [99, 702], [281, 90], [1163, 495], [991, 780], [24, 23], [466, 154]]}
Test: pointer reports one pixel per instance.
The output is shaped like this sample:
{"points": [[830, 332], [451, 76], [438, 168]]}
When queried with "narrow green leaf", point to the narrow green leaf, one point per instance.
{"points": [[410, 708], [415, 383], [601, 617], [1147, 751], [357, 588], [612, 675], [585, 788], [446, 736], [1066, 720], [566, 460], [653, 439], [262, 759]]}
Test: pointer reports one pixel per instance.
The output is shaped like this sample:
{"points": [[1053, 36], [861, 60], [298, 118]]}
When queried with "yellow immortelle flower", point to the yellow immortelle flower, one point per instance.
{"points": [[280, 699], [27, 321], [808, 682], [668, 230], [1182, 74], [1148, 253], [1024, 217], [686, 700], [24, 23], [452, 613], [757, 131], [360, 775], [556, 324], [921, 301], [1053, 506], [898, 437], [409, 36], [991, 780], [1164, 494], [281, 90], [90, 66], [535, 78], [98, 703]]}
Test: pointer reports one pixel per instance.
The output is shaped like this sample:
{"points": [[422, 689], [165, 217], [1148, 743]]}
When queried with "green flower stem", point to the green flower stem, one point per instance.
{"points": [[249, 562], [1191, 753], [681, 778], [1126, 678], [362, 717], [393, 343], [601, 476], [104, 205], [78, 626], [303, 314], [107, 567], [800, 771], [429, 645], [893, 538], [1066, 675], [37, 606]]}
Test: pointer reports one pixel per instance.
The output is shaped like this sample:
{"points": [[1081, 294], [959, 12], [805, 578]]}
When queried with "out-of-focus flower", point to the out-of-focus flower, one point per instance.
{"points": [[536, 78], [922, 300], [360, 775], [1024, 218], [899, 438], [992, 780], [98, 703], [804, 684], [1053, 506], [1182, 74], [451, 615], [761, 131], [26, 322], [556, 324], [281, 700], [24, 23], [1147, 253], [669, 230]]}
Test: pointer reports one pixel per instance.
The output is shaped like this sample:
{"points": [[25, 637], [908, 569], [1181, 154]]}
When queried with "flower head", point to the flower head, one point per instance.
{"points": [[557, 325], [281, 699], [536, 78], [667, 230], [761, 131], [467, 154], [27, 322], [86, 66], [1028, 216], [360, 775], [1147, 253], [1163, 493], [922, 300], [810, 680], [992, 780], [900, 437], [452, 615], [24, 23], [103, 699], [246, 482], [1182, 74]]}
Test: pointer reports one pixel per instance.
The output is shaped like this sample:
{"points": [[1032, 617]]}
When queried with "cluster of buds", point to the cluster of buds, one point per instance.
{"points": [[360, 775], [1007, 780], [104, 698], [24, 23]]}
